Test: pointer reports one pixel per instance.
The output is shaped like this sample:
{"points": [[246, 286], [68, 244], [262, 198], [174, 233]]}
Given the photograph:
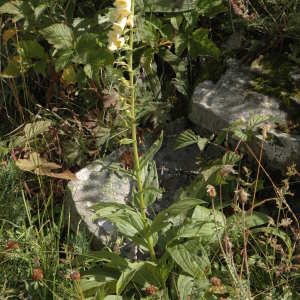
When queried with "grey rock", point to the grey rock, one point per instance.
{"points": [[216, 105], [175, 168], [98, 182]]}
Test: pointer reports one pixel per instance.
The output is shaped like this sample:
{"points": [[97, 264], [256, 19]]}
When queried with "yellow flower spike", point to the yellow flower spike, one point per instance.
{"points": [[120, 18]]}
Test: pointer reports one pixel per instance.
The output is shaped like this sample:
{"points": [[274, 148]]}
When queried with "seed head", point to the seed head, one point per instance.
{"points": [[286, 222], [211, 191], [151, 290], [215, 281], [75, 275], [242, 196], [37, 274]]}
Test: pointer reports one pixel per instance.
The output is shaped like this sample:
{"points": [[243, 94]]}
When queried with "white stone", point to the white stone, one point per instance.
{"points": [[216, 105]]}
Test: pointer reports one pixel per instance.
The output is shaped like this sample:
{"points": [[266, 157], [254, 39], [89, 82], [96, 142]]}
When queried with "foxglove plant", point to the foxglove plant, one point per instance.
{"points": [[123, 15]]}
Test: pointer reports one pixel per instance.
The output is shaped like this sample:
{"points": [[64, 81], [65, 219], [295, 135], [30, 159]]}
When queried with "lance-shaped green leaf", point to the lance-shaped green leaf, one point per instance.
{"points": [[180, 207], [148, 156], [125, 219]]}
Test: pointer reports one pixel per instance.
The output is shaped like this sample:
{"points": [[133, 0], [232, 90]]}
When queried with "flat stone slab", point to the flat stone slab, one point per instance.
{"points": [[216, 105]]}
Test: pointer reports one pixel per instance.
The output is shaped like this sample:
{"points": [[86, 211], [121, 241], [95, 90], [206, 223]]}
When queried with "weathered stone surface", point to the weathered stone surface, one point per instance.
{"points": [[215, 106], [97, 182]]}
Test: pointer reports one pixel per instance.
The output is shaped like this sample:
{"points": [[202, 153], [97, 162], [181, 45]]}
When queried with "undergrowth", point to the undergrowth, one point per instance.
{"points": [[70, 95]]}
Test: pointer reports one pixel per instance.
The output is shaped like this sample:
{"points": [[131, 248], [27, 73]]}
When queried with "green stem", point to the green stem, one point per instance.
{"points": [[140, 194]]}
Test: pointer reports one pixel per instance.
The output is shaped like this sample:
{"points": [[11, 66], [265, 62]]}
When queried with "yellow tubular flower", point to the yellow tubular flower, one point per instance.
{"points": [[130, 21], [115, 41], [120, 25], [126, 4]]}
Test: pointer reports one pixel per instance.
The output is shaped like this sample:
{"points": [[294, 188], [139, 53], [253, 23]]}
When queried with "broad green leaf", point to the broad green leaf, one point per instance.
{"points": [[208, 173], [195, 229], [185, 139], [188, 138], [185, 285], [256, 120], [196, 190], [125, 219], [179, 67], [12, 8], [210, 8], [89, 52], [213, 223], [190, 262], [112, 260], [146, 32], [64, 57], [176, 21], [32, 49], [180, 43], [40, 9], [240, 135], [165, 6], [231, 158], [152, 274], [96, 278], [150, 67], [59, 35], [254, 220], [200, 44], [180, 85], [32, 130]]}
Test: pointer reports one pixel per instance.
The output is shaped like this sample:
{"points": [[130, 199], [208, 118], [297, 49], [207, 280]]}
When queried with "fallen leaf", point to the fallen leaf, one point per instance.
{"points": [[40, 166], [66, 175], [7, 35]]}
